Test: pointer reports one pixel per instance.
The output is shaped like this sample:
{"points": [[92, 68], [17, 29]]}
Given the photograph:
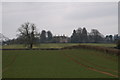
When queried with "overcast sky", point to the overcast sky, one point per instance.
{"points": [[60, 17]]}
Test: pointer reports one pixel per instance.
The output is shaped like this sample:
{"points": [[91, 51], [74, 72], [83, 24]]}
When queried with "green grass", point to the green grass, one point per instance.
{"points": [[54, 64], [43, 45], [13, 46], [101, 44], [56, 45]]}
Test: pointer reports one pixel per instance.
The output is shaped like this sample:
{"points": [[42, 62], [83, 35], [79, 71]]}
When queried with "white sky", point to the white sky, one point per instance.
{"points": [[0, 17], [60, 0], [60, 17]]}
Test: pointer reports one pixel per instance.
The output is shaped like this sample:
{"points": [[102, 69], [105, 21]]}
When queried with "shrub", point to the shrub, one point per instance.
{"points": [[118, 44]]}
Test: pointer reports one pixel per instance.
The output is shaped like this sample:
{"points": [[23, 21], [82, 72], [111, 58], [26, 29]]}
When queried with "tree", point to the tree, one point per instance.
{"points": [[84, 35], [107, 38], [111, 38], [79, 35], [49, 36], [43, 36], [116, 37], [28, 32], [74, 37], [96, 36]]}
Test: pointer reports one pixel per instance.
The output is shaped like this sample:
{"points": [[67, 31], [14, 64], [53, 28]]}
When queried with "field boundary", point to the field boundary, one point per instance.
{"points": [[33, 49], [106, 50], [97, 48]]}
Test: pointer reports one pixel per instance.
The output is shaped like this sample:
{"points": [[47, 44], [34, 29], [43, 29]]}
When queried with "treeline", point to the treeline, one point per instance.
{"points": [[29, 35], [43, 37], [80, 35], [83, 36]]}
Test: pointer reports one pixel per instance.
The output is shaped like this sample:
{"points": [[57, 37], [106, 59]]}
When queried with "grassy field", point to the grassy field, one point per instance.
{"points": [[43, 45], [57, 45], [74, 63], [100, 44]]}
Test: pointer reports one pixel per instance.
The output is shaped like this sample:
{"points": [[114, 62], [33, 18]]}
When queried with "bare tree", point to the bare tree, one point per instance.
{"points": [[28, 33], [96, 35]]}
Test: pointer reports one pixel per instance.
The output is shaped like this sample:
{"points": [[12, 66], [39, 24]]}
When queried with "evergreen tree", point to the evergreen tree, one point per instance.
{"points": [[111, 38], [43, 36], [84, 35], [74, 37], [49, 36], [79, 34]]}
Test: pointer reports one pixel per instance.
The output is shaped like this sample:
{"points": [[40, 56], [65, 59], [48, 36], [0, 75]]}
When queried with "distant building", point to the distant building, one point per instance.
{"points": [[63, 39], [60, 39]]}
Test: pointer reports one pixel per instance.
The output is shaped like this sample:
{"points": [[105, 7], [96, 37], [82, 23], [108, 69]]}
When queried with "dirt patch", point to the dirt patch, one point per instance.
{"points": [[90, 68], [8, 65], [88, 62]]}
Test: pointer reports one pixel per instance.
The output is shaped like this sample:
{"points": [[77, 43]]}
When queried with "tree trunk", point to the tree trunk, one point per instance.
{"points": [[31, 45]]}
